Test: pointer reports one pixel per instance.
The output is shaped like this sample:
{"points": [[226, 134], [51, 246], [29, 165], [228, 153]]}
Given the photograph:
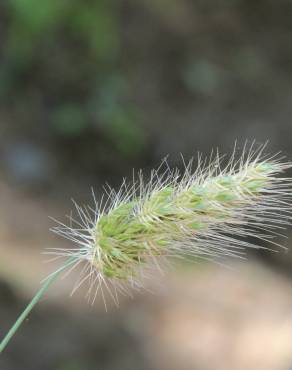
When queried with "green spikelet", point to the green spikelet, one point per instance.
{"points": [[127, 234], [208, 214]]}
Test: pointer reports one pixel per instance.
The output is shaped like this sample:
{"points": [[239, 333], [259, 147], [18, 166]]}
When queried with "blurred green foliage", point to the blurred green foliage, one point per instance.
{"points": [[83, 71], [60, 64]]}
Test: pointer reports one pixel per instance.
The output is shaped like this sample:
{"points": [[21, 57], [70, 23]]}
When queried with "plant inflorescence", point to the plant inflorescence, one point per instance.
{"points": [[214, 212], [210, 213]]}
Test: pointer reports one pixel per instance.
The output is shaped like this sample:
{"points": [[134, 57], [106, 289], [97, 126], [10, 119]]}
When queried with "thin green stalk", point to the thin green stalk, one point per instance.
{"points": [[33, 302]]}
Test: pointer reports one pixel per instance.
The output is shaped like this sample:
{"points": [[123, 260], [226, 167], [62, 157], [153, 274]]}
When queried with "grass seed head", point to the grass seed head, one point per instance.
{"points": [[210, 213]]}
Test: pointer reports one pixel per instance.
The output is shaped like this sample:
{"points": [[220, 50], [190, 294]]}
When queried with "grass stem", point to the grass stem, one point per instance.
{"points": [[33, 302]]}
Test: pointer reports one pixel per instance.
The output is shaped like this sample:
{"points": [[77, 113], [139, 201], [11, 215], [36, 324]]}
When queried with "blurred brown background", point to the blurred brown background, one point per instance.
{"points": [[90, 90]]}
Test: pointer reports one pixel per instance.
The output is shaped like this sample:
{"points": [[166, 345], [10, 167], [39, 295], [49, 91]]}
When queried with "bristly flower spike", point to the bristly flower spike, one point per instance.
{"points": [[210, 213], [214, 212]]}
